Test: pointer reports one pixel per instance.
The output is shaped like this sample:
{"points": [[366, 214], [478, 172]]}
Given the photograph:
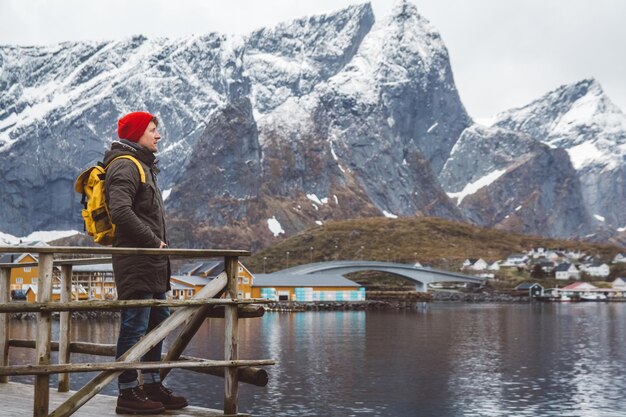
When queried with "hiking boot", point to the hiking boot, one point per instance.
{"points": [[158, 392], [135, 401]]}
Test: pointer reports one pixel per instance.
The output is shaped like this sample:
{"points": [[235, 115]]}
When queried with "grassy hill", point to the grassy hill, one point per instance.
{"points": [[433, 241]]}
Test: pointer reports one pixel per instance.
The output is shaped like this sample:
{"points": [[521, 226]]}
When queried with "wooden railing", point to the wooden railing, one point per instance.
{"points": [[190, 314]]}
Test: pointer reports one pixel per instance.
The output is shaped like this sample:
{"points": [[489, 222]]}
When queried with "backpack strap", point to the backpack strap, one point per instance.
{"points": [[142, 173]]}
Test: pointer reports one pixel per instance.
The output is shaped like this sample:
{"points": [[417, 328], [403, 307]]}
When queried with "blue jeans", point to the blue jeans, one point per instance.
{"points": [[136, 322]]}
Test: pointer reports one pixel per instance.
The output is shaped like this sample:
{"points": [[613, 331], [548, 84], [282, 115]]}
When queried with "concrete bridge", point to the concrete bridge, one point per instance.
{"points": [[420, 276]]}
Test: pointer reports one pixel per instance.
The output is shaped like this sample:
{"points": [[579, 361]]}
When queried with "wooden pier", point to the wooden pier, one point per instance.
{"points": [[190, 315], [14, 403]]}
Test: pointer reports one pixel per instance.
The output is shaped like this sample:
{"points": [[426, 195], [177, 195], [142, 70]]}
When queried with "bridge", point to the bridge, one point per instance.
{"points": [[420, 276]]}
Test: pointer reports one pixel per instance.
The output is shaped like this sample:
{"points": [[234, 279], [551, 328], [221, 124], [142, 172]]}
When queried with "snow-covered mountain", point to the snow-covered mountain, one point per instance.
{"points": [[581, 181], [326, 117], [583, 121]]}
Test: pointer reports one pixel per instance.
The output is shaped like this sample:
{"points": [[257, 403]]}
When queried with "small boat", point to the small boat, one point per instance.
{"points": [[592, 296]]}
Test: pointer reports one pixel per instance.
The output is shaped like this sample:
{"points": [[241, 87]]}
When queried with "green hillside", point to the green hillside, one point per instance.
{"points": [[433, 241]]}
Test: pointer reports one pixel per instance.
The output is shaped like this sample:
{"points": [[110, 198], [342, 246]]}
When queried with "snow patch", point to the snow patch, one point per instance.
{"points": [[336, 200], [600, 218], [584, 154], [275, 226], [389, 215], [318, 222], [518, 208], [433, 127], [315, 199], [621, 229], [167, 193], [477, 185]]}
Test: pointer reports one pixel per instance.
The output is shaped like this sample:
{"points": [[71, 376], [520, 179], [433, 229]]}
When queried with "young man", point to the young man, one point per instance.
{"points": [[136, 209]]}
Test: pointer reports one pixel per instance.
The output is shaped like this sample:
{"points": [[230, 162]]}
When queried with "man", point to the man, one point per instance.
{"points": [[136, 209]]}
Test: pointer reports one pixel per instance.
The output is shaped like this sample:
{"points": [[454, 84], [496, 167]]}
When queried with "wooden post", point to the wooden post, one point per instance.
{"points": [[231, 328], [5, 296], [44, 335], [65, 326]]}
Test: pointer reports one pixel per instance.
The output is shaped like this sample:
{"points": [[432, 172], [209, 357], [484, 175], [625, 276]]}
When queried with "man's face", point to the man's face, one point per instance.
{"points": [[150, 138]]}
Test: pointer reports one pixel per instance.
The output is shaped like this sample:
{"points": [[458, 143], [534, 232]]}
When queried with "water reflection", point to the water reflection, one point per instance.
{"points": [[450, 360]]}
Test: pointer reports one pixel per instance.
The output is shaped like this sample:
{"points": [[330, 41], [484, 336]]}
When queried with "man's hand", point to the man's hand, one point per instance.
{"points": [[163, 245]]}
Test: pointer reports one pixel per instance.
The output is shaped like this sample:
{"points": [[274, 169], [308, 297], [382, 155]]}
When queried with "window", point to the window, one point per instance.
{"points": [[35, 280], [19, 280], [27, 269], [246, 280]]}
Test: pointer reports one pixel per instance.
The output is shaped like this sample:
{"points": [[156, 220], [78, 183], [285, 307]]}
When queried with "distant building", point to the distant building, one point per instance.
{"points": [[532, 289], [619, 284], [566, 271], [309, 287], [619, 258], [597, 269], [515, 260], [475, 264]]}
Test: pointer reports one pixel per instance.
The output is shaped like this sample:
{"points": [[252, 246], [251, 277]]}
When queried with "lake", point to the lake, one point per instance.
{"points": [[450, 359]]}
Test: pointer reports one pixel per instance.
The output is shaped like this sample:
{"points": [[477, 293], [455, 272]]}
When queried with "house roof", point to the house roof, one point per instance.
{"points": [[181, 286], [9, 258], [93, 268], [192, 279], [527, 285], [308, 280], [580, 286], [563, 267], [202, 268]]}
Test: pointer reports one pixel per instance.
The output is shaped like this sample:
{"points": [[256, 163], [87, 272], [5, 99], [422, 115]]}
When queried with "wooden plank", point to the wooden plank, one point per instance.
{"points": [[243, 311], [5, 297], [18, 370], [138, 350], [107, 250], [231, 329], [14, 403], [65, 326], [43, 335], [94, 305], [249, 375]]}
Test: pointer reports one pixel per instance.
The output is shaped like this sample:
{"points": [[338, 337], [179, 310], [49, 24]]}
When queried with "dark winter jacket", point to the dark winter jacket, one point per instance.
{"points": [[137, 212]]}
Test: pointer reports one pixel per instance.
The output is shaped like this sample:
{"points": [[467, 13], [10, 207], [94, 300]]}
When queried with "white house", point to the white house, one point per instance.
{"points": [[494, 266], [619, 258], [567, 271], [619, 284], [475, 264], [516, 259], [597, 270]]}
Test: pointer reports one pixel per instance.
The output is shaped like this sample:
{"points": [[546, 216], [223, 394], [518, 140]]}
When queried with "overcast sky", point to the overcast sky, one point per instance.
{"points": [[504, 53]]}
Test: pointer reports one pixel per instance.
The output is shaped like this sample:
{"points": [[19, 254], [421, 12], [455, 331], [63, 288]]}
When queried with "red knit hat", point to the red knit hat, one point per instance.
{"points": [[133, 125]]}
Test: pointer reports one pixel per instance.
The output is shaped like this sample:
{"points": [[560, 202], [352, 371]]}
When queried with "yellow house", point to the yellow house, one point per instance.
{"points": [[199, 274], [21, 278], [310, 287]]}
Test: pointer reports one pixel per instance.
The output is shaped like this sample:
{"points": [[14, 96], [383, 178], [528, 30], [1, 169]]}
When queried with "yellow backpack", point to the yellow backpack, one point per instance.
{"points": [[90, 183]]}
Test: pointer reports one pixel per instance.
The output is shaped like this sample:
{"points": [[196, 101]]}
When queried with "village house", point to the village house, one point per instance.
{"points": [[494, 266], [596, 269], [619, 284], [619, 258], [515, 260], [309, 287], [566, 271], [532, 289], [23, 277], [96, 280], [475, 264]]}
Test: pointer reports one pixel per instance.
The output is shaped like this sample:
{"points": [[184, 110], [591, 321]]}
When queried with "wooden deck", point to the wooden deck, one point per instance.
{"points": [[16, 400]]}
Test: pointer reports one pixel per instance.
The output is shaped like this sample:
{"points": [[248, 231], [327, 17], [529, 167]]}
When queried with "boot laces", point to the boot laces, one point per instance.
{"points": [[138, 394]]}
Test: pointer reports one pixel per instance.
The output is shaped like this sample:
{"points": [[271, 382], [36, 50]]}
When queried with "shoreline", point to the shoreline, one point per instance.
{"points": [[379, 300]]}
